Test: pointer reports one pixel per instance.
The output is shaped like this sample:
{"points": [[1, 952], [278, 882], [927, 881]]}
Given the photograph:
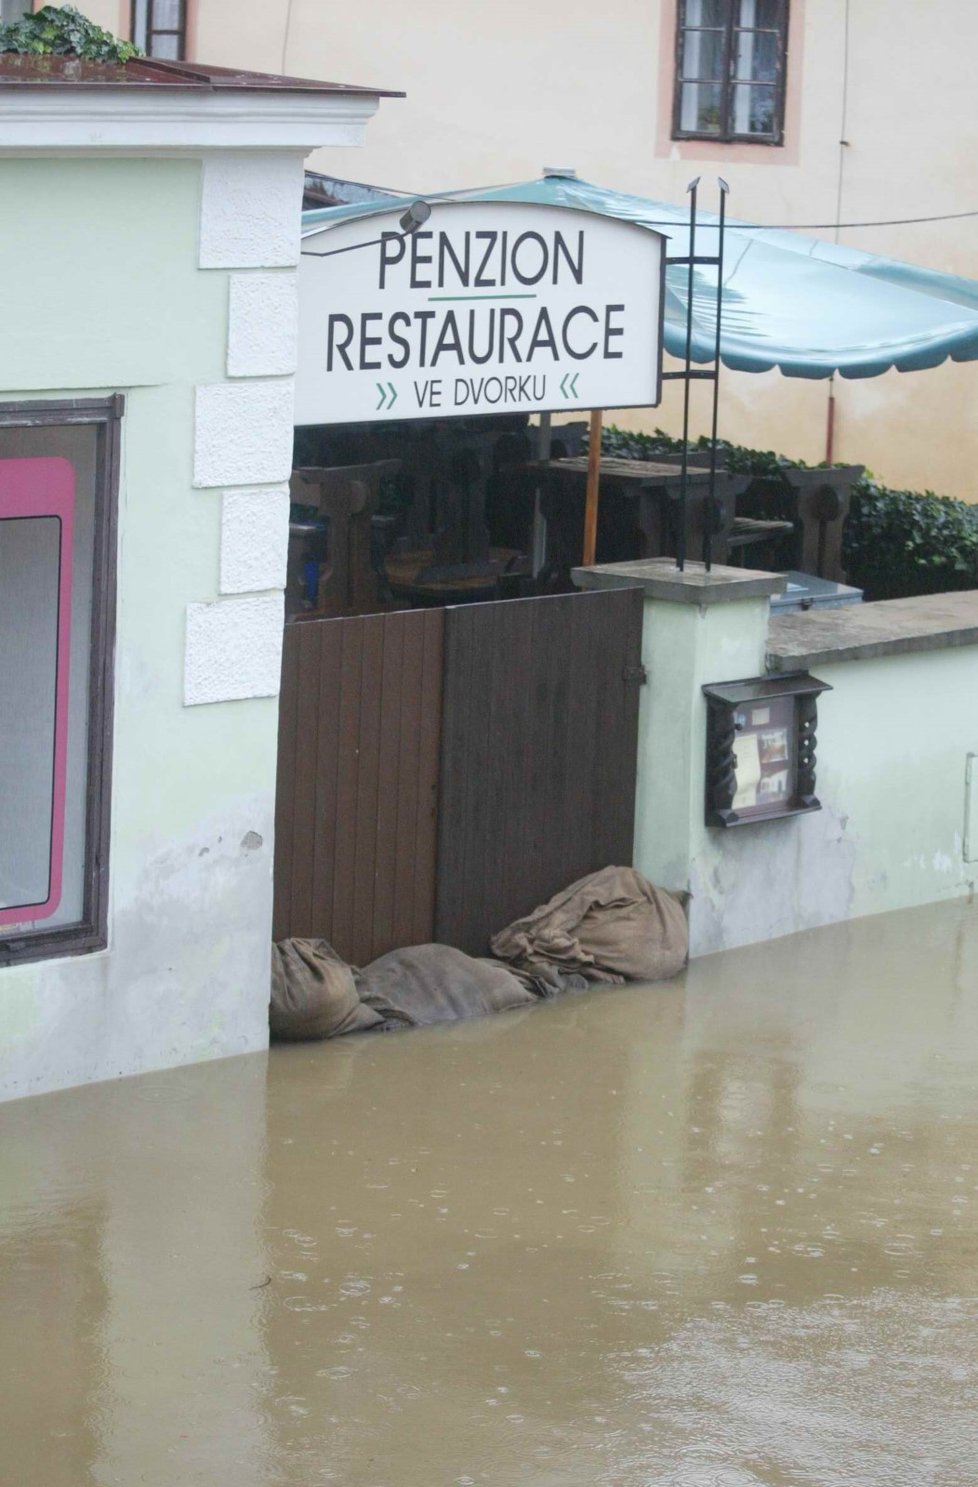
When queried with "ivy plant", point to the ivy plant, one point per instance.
{"points": [[898, 543], [62, 31]]}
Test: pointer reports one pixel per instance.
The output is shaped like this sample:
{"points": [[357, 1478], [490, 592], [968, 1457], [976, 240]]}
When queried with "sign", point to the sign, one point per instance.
{"points": [[492, 307]]}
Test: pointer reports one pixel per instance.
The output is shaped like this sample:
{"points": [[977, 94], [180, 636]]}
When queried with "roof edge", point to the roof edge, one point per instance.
{"points": [[147, 121], [23, 70]]}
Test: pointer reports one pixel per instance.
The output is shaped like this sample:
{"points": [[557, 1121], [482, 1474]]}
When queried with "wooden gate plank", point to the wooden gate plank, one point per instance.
{"points": [[389, 781], [405, 807], [509, 722], [327, 781], [363, 866], [584, 728], [304, 825], [452, 824], [480, 797], [340, 933], [429, 775]]}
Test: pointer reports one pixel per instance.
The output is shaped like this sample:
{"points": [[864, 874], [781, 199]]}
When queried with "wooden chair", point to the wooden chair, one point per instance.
{"points": [[347, 497]]}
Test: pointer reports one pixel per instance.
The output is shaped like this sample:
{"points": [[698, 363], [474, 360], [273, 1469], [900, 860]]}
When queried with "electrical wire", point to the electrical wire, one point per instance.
{"points": [[875, 222], [843, 142], [285, 38], [735, 223]]}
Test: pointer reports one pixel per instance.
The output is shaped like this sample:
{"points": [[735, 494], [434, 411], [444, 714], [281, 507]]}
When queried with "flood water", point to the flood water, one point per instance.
{"points": [[716, 1233]]}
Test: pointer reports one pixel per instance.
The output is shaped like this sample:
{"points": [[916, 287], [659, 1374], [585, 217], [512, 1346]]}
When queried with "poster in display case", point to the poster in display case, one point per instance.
{"points": [[760, 747]]}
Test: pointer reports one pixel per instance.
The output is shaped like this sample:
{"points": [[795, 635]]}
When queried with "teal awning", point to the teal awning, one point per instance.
{"points": [[806, 306]]}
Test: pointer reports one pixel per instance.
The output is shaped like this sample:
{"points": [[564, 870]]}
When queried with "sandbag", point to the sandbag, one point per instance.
{"points": [[434, 983], [314, 994], [611, 926]]}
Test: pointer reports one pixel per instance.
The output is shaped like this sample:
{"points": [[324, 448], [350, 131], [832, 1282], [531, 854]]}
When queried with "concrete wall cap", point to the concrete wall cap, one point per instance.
{"points": [[863, 632], [661, 579]]}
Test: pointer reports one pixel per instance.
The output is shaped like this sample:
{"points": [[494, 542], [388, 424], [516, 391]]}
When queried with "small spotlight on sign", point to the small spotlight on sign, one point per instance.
{"points": [[416, 216]]}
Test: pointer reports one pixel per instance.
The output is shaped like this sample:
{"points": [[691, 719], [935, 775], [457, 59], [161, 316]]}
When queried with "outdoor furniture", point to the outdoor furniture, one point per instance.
{"points": [[456, 476], [345, 498], [419, 579], [639, 510], [748, 531], [812, 505]]}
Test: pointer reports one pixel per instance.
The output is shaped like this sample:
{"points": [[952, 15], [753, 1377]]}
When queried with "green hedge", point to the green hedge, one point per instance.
{"points": [[896, 543], [900, 543]]}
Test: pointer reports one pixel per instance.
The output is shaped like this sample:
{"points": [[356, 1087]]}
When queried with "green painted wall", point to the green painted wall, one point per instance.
{"points": [[102, 294], [98, 262]]}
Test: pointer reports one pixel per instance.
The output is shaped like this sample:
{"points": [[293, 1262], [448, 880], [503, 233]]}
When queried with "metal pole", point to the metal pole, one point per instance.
{"points": [[711, 491], [539, 534], [591, 495], [684, 472]]}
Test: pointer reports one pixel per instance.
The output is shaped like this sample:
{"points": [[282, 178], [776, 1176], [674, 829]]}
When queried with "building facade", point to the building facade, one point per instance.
{"points": [[148, 351], [851, 111]]}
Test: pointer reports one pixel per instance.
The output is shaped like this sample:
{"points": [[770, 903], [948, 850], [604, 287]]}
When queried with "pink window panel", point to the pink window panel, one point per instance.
{"points": [[37, 498]]}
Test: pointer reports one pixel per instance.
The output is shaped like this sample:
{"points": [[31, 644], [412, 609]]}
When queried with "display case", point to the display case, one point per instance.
{"points": [[760, 748]]}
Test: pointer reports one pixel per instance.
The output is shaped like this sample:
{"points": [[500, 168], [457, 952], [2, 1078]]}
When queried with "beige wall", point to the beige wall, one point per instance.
{"points": [[495, 92]]}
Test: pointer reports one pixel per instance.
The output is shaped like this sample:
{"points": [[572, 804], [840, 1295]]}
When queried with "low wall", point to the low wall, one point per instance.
{"points": [[894, 738]]}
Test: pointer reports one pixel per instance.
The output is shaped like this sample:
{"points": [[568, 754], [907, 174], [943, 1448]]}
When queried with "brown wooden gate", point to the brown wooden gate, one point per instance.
{"points": [[442, 772]]}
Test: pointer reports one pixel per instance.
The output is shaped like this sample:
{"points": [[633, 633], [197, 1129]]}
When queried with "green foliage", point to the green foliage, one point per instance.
{"points": [[62, 31], [896, 543], [734, 457], [899, 543]]}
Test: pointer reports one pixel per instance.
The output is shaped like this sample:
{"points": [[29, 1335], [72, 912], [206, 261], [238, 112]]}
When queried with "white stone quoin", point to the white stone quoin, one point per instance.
{"points": [[254, 540], [250, 211], [234, 649], [243, 433], [263, 324]]}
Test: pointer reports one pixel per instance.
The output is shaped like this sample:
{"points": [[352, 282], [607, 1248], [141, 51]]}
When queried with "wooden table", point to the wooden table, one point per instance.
{"points": [[418, 578], [654, 488]]}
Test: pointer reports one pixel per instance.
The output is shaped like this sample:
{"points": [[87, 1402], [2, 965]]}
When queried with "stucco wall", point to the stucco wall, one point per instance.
{"points": [[105, 292], [893, 739], [495, 92]]}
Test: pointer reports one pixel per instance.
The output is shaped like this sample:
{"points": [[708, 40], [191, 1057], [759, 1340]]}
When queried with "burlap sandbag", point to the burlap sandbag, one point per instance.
{"points": [[610, 926], [314, 994], [434, 983]]}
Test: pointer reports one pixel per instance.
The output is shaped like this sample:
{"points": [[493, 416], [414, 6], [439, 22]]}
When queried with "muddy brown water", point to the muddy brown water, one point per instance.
{"points": [[716, 1233]]}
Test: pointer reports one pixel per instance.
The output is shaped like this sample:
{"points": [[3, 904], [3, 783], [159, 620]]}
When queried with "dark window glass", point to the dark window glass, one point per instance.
{"points": [[159, 28], [703, 55], [731, 70]]}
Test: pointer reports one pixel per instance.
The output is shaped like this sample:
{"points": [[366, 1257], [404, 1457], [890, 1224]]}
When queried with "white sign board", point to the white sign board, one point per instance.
{"points": [[492, 307]]}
